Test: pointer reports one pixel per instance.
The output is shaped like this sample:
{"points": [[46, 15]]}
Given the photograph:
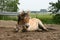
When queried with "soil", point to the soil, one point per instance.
{"points": [[7, 32]]}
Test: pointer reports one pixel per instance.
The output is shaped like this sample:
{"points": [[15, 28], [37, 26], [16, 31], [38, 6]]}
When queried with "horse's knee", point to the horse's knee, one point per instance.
{"points": [[16, 30]]}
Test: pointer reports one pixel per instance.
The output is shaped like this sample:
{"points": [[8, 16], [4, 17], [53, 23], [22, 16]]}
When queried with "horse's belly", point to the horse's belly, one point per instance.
{"points": [[33, 26]]}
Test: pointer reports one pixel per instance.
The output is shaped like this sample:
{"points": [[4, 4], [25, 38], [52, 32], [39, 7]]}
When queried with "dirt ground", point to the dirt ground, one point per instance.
{"points": [[7, 33]]}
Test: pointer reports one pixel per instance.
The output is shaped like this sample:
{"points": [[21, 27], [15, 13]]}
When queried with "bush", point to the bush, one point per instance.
{"points": [[56, 18], [6, 17]]}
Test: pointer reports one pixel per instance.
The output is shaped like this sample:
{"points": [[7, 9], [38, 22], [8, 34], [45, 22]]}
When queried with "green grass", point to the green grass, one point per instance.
{"points": [[5, 17], [45, 18]]}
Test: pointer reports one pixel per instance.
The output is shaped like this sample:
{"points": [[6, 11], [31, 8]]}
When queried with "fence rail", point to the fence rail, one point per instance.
{"points": [[9, 13]]}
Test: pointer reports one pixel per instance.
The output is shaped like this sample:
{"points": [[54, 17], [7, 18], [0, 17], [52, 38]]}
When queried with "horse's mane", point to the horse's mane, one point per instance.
{"points": [[19, 18], [22, 15]]}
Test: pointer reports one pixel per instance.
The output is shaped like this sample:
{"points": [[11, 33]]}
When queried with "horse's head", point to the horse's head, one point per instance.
{"points": [[23, 18]]}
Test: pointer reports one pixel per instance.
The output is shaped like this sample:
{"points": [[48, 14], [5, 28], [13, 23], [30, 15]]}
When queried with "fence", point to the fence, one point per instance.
{"points": [[9, 13]]}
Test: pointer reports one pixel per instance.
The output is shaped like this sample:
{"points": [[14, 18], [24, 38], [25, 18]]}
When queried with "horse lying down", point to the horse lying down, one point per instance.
{"points": [[26, 23]]}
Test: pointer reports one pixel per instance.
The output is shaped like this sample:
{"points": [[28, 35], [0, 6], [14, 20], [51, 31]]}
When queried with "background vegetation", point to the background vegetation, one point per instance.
{"points": [[45, 18], [9, 5], [55, 8]]}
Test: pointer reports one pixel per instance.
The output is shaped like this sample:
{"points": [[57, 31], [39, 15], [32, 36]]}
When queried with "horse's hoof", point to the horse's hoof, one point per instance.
{"points": [[16, 30], [45, 30]]}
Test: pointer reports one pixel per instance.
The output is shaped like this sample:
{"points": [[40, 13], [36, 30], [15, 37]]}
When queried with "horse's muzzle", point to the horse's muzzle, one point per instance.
{"points": [[27, 25]]}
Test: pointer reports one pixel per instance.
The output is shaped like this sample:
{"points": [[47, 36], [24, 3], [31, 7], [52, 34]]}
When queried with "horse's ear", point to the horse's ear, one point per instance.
{"points": [[28, 12], [22, 12]]}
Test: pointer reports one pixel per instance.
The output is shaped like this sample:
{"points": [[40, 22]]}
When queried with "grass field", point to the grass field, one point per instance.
{"points": [[45, 18]]}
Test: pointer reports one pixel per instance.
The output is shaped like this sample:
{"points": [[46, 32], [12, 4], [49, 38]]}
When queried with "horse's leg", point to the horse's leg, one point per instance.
{"points": [[41, 26], [17, 28]]}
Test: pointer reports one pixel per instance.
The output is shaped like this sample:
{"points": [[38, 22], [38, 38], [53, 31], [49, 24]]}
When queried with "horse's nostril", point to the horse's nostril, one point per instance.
{"points": [[27, 26]]}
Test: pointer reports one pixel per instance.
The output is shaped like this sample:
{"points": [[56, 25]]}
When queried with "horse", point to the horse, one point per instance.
{"points": [[26, 23]]}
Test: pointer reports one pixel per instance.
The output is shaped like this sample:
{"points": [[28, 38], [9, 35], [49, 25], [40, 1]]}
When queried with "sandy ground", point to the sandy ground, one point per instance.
{"points": [[7, 32]]}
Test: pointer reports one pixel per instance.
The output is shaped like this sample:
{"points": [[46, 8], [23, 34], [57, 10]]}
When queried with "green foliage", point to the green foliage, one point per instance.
{"points": [[56, 18], [9, 5], [45, 18], [55, 7], [6, 17]]}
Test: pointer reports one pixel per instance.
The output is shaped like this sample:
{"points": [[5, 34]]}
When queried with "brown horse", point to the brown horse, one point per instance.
{"points": [[26, 23]]}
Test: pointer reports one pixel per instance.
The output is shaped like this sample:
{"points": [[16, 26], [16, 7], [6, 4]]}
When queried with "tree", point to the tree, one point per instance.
{"points": [[55, 7], [9, 5]]}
